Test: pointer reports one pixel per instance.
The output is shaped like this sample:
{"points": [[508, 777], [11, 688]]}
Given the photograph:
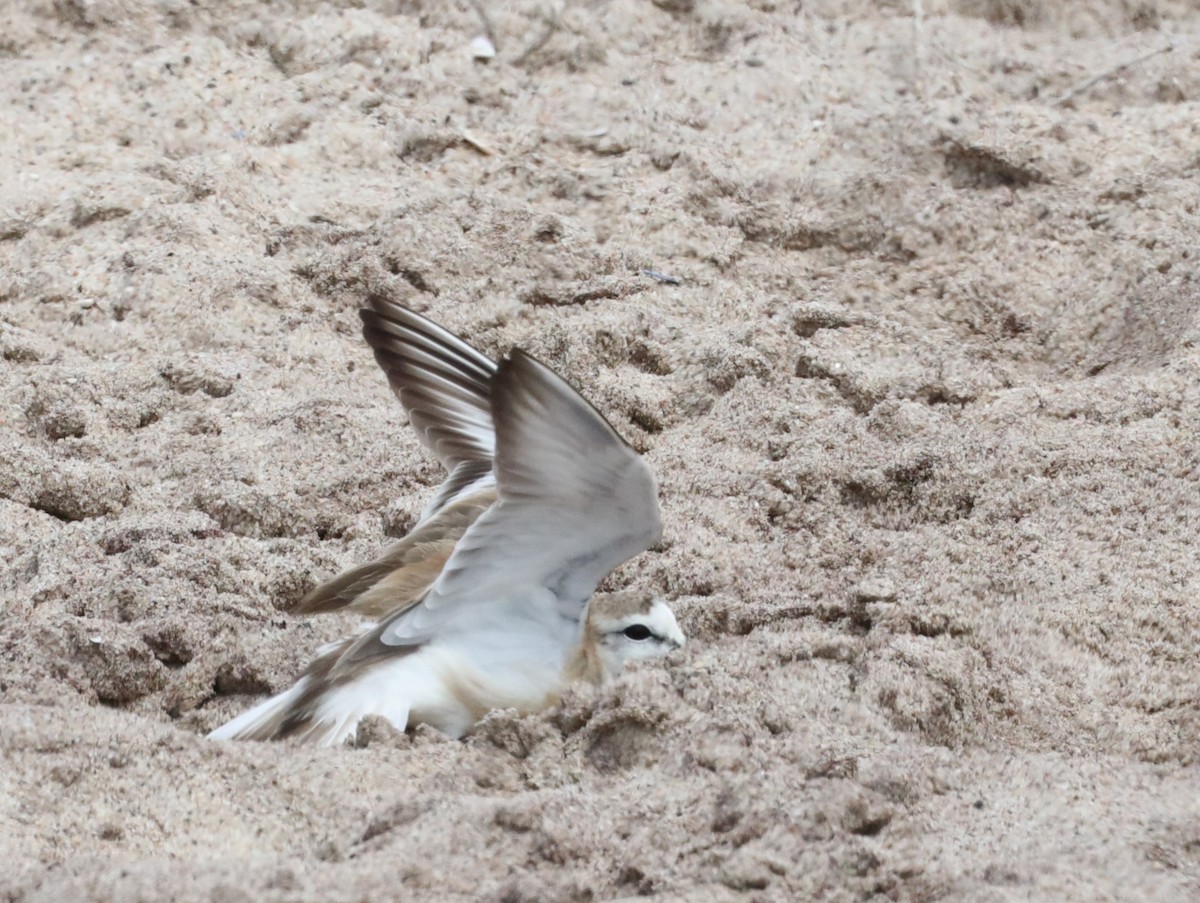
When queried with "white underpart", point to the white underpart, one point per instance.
{"points": [[428, 687], [444, 684]]}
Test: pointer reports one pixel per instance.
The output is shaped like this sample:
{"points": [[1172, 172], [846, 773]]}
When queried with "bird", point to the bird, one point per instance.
{"points": [[490, 601]]}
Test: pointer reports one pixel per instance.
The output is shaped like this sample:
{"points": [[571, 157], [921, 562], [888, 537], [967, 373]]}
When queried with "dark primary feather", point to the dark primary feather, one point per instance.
{"points": [[443, 383]]}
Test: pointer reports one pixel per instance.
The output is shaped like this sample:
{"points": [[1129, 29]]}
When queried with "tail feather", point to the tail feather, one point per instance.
{"points": [[323, 708], [266, 720], [314, 732], [285, 716]]}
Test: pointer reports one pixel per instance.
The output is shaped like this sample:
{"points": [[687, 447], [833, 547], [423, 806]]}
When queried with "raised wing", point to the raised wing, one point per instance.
{"points": [[575, 502], [445, 386]]}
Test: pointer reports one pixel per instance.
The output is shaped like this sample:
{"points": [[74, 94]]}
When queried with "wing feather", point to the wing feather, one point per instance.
{"points": [[405, 571], [445, 386], [575, 501]]}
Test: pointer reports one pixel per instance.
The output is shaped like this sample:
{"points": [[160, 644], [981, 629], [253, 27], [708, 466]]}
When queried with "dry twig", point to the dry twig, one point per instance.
{"points": [[1109, 73]]}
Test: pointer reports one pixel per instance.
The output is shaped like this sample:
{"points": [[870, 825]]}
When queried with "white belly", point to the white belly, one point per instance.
{"points": [[446, 687]]}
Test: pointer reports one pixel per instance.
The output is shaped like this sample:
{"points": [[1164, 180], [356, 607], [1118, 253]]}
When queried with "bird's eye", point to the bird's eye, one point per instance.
{"points": [[637, 632]]}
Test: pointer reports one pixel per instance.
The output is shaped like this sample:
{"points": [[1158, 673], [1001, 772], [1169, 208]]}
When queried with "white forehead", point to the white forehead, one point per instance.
{"points": [[659, 618]]}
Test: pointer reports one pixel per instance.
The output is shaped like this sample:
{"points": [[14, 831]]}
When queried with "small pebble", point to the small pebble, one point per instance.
{"points": [[482, 48]]}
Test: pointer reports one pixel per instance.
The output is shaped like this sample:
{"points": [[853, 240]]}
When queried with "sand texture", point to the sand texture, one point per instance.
{"points": [[922, 398]]}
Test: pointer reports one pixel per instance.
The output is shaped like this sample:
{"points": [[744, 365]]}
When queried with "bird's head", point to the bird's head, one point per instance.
{"points": [[628, 626]]}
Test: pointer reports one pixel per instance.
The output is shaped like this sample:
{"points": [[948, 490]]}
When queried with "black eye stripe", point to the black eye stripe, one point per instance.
{"points": [[637, 632]]}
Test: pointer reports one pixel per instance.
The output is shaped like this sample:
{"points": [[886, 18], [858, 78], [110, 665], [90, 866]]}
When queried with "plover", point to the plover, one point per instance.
{"points": [[488, 602]]}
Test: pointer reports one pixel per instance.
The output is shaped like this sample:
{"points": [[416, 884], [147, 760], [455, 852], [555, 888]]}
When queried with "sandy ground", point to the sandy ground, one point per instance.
{"points": [[923, 406]]}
